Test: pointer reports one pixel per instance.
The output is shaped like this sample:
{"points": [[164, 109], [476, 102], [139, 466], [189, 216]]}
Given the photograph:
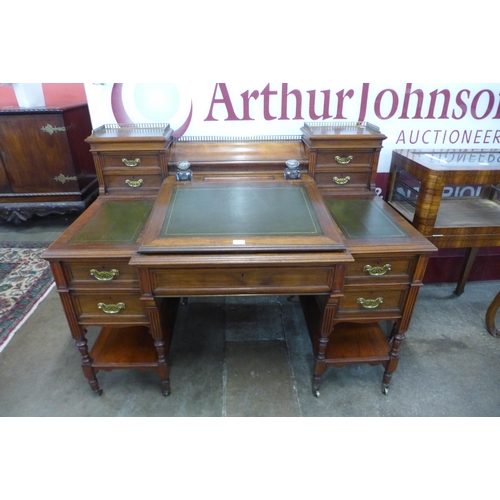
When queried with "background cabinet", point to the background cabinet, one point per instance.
{"points": [[45, 164]]}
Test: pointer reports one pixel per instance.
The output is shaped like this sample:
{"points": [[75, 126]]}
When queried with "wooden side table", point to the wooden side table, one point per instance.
{"points": [[491, 315], [451, 197]]}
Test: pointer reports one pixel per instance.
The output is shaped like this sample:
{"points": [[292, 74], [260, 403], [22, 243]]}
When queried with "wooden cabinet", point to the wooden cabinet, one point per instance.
{"points": [[450, 196], [45, 164]]}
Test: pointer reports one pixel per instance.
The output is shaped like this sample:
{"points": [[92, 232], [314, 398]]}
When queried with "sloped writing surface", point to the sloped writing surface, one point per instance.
{"points": [[242, 211]]}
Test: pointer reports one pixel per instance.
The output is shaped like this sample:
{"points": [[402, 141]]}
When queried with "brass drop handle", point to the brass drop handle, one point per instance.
{"points": [[341, 180], [104, 275], [377, 270], [111, 308], [131, 163], [344, 160], [134, 184], [370, 303]]}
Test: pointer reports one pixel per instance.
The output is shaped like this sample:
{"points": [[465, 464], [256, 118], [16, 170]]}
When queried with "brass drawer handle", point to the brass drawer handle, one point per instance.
{"points": [[104, 275], [370, 303], [341, 180], [134, 184], [131, 163], [111, 308], [377, 271], [344, 161]]}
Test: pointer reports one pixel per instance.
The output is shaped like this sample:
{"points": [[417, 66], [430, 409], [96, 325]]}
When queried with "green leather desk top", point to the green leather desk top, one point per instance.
{"points": [[363, 219], [240, 211], [235, 215], [115, 222]]}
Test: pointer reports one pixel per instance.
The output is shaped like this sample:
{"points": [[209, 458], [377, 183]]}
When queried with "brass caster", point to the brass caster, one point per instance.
{"points": [[316, 393], [385, 390]]}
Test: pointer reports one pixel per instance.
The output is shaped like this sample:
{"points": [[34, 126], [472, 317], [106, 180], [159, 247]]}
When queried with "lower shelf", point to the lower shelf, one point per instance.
{"points": [[127, 347], [350, 342], [357, 343]]}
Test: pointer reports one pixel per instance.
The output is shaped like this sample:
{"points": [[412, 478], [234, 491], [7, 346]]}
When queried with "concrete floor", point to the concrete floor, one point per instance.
{"points": [[252, 357]]}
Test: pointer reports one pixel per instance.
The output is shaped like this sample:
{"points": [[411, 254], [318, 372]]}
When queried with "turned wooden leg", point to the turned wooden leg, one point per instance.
{"points": [[88, 371], [392, 364], [491, 315], [470, 257], [320, 364], [163, 371]]}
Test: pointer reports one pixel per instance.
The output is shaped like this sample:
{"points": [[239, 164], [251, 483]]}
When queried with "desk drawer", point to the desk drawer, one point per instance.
{"points": [[360, 301], [101, 275], [343, 178], [133, 183], [109, 308], [380, 270], [180, 282], [131, 160], [343, 159]]}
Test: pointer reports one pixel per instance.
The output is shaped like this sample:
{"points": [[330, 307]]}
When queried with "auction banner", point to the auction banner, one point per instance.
{"points": [[411, 115]]}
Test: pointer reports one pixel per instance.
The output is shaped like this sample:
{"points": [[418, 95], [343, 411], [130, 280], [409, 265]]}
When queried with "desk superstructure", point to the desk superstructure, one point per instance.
{"points": [[238, 226]]}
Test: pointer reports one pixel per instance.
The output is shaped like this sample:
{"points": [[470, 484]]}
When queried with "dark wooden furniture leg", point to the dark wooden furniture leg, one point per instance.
{"points": [[470, 257], [491, 315], [395, 340], [87, 368]]}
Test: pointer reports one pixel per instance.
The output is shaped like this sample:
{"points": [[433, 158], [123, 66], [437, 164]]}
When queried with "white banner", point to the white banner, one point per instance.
{"points": [[411, 115]]}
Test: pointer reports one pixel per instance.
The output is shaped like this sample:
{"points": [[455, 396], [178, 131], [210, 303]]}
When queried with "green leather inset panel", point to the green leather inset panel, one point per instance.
{"points": [[115, 222], [363, 219], [240, 211]]}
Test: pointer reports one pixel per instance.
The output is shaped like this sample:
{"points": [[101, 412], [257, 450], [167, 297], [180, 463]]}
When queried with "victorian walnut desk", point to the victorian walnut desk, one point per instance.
{"points": [[451, 197], [238, 219]]}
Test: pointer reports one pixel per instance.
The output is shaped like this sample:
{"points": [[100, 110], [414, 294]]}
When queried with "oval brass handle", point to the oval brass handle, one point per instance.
{"points": [[341, 180], [104, 275], [377, 271], [111, 308], [370, 303], [131, 163], [344, 161], [134, 184]]}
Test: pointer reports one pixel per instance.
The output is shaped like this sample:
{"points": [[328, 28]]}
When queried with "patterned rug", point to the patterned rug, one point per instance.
{"points": [[25, 280]]}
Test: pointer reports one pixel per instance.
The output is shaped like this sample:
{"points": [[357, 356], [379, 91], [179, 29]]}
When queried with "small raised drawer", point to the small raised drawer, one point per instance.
{"points": [[343, 179], [130, 183], [343, 159], [130, 160]]}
